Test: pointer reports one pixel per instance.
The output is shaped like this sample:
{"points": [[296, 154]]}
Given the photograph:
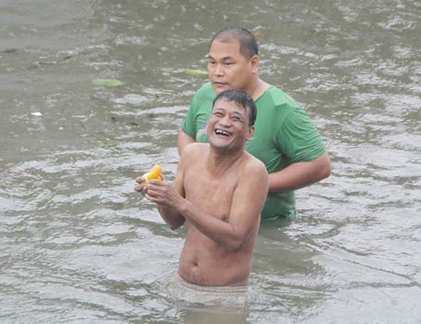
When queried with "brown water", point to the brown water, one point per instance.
{"points": [[79, 246]]}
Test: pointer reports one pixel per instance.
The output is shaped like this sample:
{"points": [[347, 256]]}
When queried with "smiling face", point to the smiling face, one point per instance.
{"points": [[229, 69], [228, 125]]}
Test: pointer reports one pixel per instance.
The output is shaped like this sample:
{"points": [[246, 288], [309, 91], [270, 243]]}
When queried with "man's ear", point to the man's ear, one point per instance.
{"points": [[251, 133], [255, 64]]}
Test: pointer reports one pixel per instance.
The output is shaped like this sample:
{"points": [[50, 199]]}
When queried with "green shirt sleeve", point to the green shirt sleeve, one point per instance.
{"points": [[189, 125], [298, 137]]}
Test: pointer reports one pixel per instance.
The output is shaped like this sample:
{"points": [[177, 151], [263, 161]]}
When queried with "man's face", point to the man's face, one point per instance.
{"points": [[228, 125], [229, 69]]}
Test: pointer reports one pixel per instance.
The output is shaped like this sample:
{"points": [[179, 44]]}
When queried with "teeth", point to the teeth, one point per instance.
{"points": [[221, 132]]}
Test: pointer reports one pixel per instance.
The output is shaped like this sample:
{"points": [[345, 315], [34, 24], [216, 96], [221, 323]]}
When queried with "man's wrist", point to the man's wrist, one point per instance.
{"points": [[183, 206]]}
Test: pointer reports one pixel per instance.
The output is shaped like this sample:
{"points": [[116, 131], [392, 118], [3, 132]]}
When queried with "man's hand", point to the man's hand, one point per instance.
{"points": [[164, 194], [142, 185], [166, 197], [160, 192]]}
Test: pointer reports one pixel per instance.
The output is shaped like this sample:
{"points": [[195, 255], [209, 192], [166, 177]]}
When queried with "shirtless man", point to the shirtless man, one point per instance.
{"points": [[219, 191]]}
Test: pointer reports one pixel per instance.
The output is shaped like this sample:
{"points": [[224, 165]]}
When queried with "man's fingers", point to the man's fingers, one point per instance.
{"points": [[154, 190], [151, 198], [156, 182], [140, 180], [140, 187]]}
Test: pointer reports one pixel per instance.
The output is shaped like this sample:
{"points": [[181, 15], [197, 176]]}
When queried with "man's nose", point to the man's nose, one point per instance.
{"points": [[218, 70], [225, 121]]}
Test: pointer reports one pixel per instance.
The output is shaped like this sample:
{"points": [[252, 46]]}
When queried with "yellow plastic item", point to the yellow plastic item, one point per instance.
{"points": [[153, 174]]}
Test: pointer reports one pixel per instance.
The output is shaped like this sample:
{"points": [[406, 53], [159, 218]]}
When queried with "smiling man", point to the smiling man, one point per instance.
{"points": [[219, 191], [285, 138]]}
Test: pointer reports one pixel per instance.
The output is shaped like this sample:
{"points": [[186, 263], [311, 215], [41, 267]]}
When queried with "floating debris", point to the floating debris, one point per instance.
{"points": [[175, 79], [196, 72], [107, 82], [10, 51], [106, 144], [39, 63], [413, 116], [258, 34]]}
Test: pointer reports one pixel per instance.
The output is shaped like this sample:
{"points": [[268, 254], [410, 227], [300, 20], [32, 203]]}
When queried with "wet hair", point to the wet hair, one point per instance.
{"points": [[248, 44], [241, 98]]}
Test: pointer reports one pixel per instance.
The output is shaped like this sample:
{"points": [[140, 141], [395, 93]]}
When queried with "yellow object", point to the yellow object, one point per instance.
{"points": [[155, 174]]}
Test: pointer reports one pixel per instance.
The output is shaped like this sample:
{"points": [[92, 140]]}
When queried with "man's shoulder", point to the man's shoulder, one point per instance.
{"points": [[194, 149], [279, 98], [206, 91], [253, 165], [255, 178]]}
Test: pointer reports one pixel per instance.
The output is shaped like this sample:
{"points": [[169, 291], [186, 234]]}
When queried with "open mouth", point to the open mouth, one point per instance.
{"points": [[222, 132]]}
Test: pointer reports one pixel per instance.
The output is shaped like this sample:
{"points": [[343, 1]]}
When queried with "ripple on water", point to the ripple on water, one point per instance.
{"points": [[132, 99]]}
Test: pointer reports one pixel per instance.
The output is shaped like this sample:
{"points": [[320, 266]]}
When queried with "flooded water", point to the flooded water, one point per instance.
{"points": [[79, 246]]}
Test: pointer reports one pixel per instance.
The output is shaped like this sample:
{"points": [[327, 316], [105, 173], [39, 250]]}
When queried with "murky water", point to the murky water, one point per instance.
{"points": [[79, 246]]}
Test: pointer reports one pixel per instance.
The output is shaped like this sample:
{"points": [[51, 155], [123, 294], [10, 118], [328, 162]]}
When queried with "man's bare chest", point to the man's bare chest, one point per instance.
{"points": [[213, 196]]}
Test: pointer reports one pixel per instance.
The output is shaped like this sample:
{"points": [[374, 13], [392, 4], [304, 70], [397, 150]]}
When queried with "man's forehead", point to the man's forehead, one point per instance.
{"points": [[226, 56], [231, 46], [226, 40], [225, 103]]}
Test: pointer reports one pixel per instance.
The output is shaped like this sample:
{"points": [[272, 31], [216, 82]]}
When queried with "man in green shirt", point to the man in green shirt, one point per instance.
{"points": [[285, 138]]}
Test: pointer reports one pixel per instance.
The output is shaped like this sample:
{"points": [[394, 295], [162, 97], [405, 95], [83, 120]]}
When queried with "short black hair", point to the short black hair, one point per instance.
{"points": [[248, 44], [241, 98]]}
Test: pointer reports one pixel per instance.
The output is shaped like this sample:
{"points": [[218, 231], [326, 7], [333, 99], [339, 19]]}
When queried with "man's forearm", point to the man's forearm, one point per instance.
{"points": [[216, 229], [299, 175], [171, 217]]}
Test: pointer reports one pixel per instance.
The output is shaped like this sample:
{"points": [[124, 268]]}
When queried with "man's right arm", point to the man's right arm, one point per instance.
{"points": [[165, 194], [172, 193], [183, 140]]}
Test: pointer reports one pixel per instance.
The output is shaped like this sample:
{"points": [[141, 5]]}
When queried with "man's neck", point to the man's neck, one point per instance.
{"points": [[219, 161], [257, 89]]}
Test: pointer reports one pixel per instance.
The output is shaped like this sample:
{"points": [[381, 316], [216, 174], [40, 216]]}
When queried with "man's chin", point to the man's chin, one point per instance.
{"points": [[221, 145], [219, 88], [218, 143]]}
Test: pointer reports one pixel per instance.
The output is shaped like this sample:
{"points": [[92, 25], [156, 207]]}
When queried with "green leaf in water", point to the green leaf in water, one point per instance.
{"points": [[414, 116], [106, 144], [196, 72], [107, 82]]}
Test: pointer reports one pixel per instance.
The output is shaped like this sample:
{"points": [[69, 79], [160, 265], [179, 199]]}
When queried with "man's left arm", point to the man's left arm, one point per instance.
{"points": [[300, 174], [300, 141]]}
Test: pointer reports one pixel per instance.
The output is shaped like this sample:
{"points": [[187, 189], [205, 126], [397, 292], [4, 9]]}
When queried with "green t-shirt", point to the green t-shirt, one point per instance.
{"points": [[284, 134]]}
